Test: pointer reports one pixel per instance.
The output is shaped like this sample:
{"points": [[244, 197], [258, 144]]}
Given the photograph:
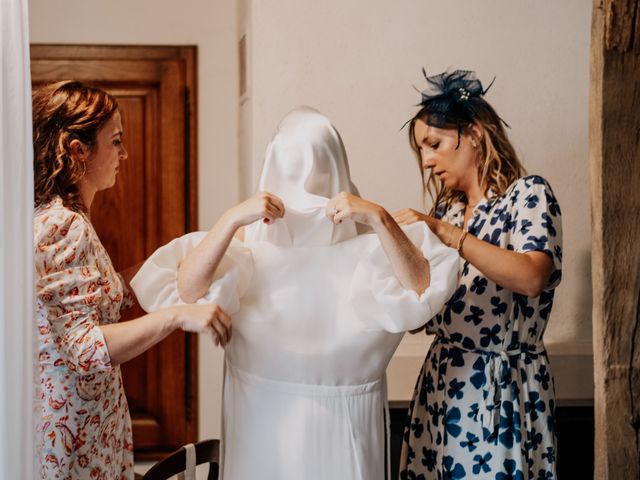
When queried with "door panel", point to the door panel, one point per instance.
{"points": [[151, 203]]}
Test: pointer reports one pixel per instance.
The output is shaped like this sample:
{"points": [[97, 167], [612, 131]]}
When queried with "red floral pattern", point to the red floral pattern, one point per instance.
{"points": [[84, 427]]}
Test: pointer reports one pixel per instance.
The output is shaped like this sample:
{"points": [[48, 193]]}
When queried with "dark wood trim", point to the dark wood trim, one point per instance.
{"points": [[190, 57], [62, 51]]}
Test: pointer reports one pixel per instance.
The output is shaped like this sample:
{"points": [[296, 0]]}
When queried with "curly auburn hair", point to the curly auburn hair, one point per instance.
{"points": [[63, 112], [499, 167]]}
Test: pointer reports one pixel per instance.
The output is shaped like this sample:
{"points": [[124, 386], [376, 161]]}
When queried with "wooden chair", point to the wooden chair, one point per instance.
{"points": [[207, 451]]}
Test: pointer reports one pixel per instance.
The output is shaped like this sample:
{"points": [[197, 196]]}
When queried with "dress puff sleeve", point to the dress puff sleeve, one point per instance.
{"points": [[382, 302], [538, 224], [70, 291], [156, 283]]}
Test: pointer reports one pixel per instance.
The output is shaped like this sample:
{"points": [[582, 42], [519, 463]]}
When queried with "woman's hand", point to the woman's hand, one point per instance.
{"points": [[126, 340], [407, 216], [210, 318], [348, 206], [262, 205], [408, 263], [447, 233]]}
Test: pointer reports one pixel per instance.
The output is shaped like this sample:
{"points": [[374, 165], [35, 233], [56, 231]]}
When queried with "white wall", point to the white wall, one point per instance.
{"points": [[357, 62], [211, 25]]}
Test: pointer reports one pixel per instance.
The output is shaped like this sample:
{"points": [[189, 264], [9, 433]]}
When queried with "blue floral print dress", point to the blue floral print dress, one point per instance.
{"points": [[484, 403]]}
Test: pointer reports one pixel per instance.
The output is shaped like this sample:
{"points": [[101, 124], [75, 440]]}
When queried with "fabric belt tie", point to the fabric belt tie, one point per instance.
{"points": [[498, 375]]}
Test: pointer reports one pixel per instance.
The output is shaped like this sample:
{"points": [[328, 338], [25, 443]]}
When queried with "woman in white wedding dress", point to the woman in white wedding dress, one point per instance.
{"points": [[317, 310]]}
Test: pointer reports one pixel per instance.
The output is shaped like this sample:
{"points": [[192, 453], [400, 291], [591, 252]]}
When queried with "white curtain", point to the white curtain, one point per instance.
{"points": [[17, 326]]}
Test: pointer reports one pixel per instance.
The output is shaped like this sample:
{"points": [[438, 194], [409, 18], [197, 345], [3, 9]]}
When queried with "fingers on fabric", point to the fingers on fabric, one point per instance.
{"points": [[214, 336], [342, 214], [220, 323], [407, 216], [219, 333], [271, 213], [225, 321], [208, 319], [339, 207], [330, 210], [271, 207], [335, 214], [399, 216]]}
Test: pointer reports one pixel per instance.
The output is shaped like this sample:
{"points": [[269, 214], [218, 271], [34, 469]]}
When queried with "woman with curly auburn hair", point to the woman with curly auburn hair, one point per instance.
{"points": [[484, 403], [64, 112], [84, 428]]}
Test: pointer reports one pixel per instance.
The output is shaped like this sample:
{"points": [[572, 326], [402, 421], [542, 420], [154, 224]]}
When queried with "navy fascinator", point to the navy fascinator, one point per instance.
{"points": [[452, 99]]}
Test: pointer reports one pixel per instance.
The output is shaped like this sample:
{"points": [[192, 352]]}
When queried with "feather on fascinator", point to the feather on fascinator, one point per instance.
{"points": [[452, 99]]}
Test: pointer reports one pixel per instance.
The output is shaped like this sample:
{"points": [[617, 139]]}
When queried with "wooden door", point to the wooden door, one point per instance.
{"points": [[154, 201]]}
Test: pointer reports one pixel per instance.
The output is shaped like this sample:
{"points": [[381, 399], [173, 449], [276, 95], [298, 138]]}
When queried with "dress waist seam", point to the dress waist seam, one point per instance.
{"points": [[304, 389]]}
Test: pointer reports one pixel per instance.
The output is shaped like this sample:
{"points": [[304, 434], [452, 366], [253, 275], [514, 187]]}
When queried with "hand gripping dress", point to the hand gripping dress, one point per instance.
{"points": [[317, 313]]}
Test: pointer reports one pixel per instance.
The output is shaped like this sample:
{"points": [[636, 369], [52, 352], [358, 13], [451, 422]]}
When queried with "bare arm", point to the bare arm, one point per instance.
{"points": [[197, 270], [524, 273], [126, 340], [407, 261]]}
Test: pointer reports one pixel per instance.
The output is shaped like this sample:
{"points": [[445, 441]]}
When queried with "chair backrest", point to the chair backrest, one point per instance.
{"points": [[207, 451]]}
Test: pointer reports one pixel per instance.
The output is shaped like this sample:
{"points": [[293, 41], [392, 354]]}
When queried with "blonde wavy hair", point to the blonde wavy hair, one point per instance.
{"points": [[499, 167], [62, 112]]}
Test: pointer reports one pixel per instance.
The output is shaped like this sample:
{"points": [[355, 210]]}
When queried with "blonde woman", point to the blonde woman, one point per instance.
{"points": [[484, 400]]}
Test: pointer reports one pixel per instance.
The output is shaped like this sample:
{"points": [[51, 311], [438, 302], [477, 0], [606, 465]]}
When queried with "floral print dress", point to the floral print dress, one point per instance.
{"points": [[484, 402], [83, 426]]}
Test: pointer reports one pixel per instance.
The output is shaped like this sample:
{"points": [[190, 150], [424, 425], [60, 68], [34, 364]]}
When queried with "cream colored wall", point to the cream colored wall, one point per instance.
{"points": [[357, 62], [211, 25]]}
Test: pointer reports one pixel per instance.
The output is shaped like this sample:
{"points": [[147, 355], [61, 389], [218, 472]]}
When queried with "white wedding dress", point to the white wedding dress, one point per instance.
{"points": [[317, 313]]}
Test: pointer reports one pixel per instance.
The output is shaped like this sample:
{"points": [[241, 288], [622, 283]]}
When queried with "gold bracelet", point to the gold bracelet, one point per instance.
{"points": [[461, 240]]}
